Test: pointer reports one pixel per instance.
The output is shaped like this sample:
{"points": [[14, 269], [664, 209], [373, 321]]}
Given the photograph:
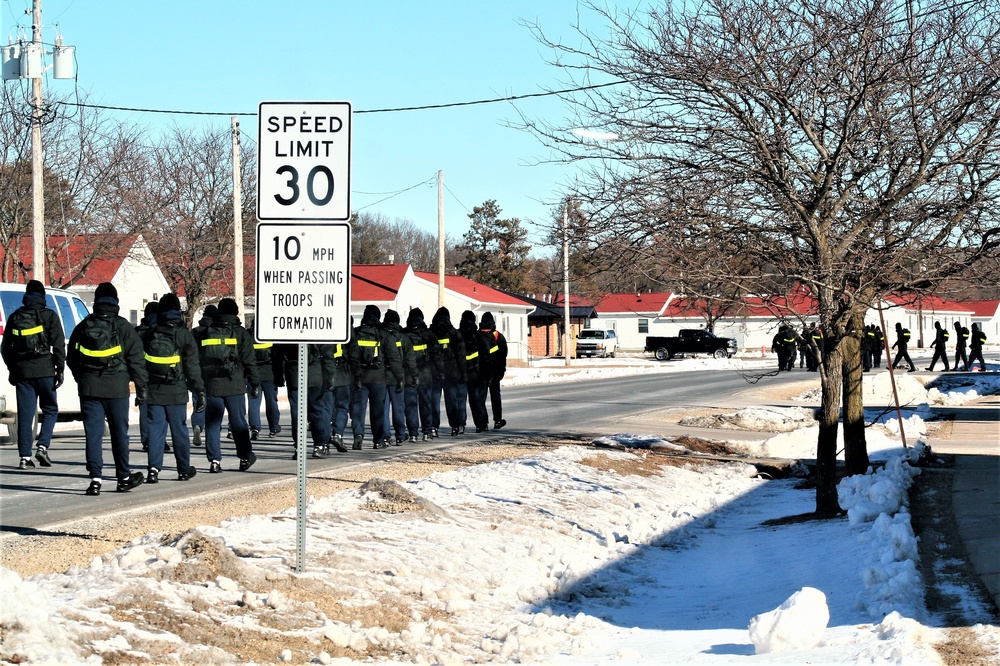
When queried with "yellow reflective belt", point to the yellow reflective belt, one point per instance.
{"points": [[494, 349], [209, 342], [368, 343], [472, 356], [339, 352], [399, 343], [99, 353], [28, 331], [444, 341], [263, 345], [419, 347], [163, 360]]}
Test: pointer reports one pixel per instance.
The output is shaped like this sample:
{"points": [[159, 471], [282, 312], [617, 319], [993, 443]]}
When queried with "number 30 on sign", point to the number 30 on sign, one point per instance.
{"points": [[304, 159]]}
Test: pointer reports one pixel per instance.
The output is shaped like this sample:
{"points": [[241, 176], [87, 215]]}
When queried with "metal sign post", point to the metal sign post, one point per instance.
{"points": [[303, 281]]}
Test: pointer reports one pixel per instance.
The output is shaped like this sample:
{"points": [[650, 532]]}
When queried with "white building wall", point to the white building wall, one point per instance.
{"points": [[138, 280]]}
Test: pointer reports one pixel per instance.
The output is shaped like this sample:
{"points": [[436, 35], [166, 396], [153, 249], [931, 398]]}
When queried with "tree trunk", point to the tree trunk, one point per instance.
{"points": [[826, 445], [855, 447]]}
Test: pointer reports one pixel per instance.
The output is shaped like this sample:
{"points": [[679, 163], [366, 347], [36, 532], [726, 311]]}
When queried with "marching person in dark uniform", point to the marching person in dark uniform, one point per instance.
{"points": [[976, 340], [396, 403], [376, 361], [814, 336], [498, 365], [477, 369], [902, 340], [319, 374], [174, 372], [228, 366], [428, 363], [941, 336], [268, 391], [783, 344], [961, 341], [878, 347], [340, 387], [451, 348], [34, 350], [867, 338], [147, 322], [198, 418], [105, 354]]}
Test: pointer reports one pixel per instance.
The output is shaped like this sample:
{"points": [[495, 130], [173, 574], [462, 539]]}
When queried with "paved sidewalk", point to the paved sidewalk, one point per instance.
{"points": [[975, 443]]}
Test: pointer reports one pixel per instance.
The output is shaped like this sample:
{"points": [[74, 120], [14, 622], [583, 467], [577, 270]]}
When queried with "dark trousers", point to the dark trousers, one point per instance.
{"points": [[369, 397], [902, 355], [435, 404], [95, 412], [197, 418], [318, 414], [40, 392], [455, 395], [866, 359], [477, 404], [269, 396], [174, 416], [235, 406], [495, 401], [877, 356], [144, 426], [341, 408], [418, 409], [395, 413], [939, 353], [960, 355], [977, 354]]}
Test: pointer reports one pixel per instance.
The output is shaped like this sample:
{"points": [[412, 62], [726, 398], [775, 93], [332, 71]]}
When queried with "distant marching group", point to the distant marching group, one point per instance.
{"points": [[787, 341], [395, 374]]}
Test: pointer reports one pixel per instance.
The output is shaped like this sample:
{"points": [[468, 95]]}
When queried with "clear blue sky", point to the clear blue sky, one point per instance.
{"points": [[228, 55]]}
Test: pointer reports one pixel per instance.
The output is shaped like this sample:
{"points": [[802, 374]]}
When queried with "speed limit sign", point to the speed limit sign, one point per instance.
{"points": [[304, 161]]}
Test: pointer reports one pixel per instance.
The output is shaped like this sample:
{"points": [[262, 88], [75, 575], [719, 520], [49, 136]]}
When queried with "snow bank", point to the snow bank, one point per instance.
{"points": [[797, 624]]}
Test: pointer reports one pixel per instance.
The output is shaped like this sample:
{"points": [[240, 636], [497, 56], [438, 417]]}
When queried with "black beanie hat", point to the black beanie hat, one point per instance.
{"points": [[106, 290], [372, 312], [151, 308], [487, 321], [416, 314], [34, 287], [469, 315], [227, 306], [211, 310], [169, 302], [391, 317]]}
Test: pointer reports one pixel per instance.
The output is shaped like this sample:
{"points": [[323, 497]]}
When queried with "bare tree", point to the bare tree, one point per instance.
{"points": [[376, 239], [847, 146]]}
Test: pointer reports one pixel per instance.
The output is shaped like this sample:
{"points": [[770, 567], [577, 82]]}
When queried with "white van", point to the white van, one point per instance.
{"points": [[71, 311]]}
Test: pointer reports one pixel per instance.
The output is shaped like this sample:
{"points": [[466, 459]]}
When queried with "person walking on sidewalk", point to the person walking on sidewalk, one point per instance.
{"points": [[498, 365], [198, 418], [268, 391], [174, 373], [977, 338], [940, 346], [451, 348], [34, 350], [902, 340], [428, 361], [105, 354], [961, 341], [478, 370], [147, 322], [376, 360], [228, 366]]}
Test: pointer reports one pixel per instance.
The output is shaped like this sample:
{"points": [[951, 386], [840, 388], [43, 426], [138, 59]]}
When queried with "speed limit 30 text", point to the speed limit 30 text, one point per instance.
{"points": [[303, 125]]}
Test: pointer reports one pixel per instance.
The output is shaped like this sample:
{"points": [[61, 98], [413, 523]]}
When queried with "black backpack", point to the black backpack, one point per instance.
{"points": [[99, 344], [219, 352], [163, 358], [368, 346], [30, 340]]}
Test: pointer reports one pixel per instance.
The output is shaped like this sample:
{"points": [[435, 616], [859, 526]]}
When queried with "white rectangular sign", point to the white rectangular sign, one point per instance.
{"points": [[303, 282], [304, 161]]}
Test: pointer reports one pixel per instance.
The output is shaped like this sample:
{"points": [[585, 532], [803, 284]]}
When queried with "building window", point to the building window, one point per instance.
{"points": [[644, 326]]}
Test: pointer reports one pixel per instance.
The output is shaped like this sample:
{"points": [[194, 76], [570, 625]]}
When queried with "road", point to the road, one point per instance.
{"points": [[41, 498]]}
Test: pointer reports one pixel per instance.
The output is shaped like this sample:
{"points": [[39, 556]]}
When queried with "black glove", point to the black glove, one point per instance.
{"points": [[140, 396], [255, 391], [199, 402], [413, 383], [399, 387], [329, 386], [357, 385], [58, 380]]}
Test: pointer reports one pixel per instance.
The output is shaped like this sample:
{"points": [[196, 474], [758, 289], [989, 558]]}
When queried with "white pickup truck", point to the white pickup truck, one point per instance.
{"points": [[601, 342]]}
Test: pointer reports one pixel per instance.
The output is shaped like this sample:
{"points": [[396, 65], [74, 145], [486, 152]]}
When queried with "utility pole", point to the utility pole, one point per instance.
{"points": [[237, 218], [37, 191], [440, 239], [565, 248]]}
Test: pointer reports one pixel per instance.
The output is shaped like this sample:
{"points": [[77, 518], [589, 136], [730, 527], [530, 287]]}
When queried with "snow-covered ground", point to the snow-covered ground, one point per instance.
{"points": [[578, 555]]}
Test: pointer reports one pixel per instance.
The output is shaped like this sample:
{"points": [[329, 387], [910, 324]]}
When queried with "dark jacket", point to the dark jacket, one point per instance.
{"points": [[398, 337], [174, 391], [477, 351], [285, 364], [243, 371], [388, 366], [941, 336], [127, 364], [451, 349], [902, 338], [961, 336], [47, 364], [426, 355], [344, 360], [262, 355], [497, 352]]}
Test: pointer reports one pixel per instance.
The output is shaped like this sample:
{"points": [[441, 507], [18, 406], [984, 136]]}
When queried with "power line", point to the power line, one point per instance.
{"points": [[427, 181], [446, 105]]}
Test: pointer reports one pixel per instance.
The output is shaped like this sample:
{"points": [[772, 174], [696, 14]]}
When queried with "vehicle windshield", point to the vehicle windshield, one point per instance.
{"points": [[591, 335]]}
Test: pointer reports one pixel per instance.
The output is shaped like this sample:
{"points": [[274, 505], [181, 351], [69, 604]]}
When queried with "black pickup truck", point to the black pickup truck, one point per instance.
{"points": [[690, 341]]}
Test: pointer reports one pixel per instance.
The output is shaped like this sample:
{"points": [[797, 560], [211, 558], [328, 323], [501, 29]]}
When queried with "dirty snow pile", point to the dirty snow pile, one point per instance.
{"points": [[579, 555]]}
